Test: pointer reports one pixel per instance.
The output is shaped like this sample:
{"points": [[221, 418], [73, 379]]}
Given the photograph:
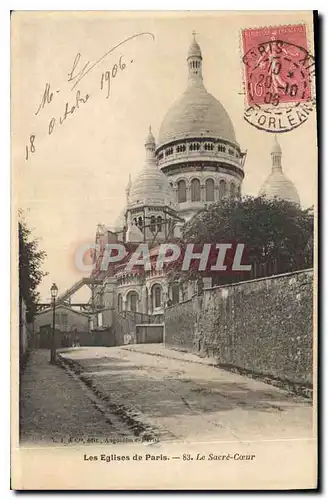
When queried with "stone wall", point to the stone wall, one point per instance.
{"points": [[262, 326]]}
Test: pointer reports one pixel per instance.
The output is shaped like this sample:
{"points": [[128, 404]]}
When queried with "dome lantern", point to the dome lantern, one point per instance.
{"points": [[194, 60], [276, 155], [150, 145]]}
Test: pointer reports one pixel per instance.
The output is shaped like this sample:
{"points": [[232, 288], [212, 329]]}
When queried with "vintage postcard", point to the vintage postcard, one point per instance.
{"points": [[164, 208]]}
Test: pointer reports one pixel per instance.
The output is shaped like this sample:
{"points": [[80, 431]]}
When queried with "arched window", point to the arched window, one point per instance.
{"points": [[159, 223], [233, 190], [175, 293], [140, 222], [135, 221], [119, 303], [195, 146], [195, 190], [153, 223], [132, 301], [157, 295], [182, 192], [209, 188], [222, 189]]}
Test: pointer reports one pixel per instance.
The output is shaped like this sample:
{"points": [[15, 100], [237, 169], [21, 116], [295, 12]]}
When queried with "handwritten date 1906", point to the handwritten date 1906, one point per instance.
{"points": [[107, 76], [78, 71]]}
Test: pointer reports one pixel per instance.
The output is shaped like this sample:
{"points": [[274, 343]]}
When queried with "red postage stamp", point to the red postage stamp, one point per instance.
{"points": [[278, 66]]}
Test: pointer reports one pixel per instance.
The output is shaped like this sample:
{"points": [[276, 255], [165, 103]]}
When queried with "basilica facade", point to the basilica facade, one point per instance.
{"points": [[195, 162]]}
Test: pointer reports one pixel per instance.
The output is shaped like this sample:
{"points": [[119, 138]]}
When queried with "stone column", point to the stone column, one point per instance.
{"points": [[144, 300], [175, 191], [188, 190], [149, 304], [202, 191], [165, 292]]}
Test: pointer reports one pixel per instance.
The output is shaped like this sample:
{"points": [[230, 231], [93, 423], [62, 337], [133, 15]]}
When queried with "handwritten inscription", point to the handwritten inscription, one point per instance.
{"points": [[46, 98], [107, 77], [30, 148], [77, 72], [69, 110]]}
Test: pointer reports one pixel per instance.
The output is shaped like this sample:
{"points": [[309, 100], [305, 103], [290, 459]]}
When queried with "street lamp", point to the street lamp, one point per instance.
{"points": [[54, 292]]}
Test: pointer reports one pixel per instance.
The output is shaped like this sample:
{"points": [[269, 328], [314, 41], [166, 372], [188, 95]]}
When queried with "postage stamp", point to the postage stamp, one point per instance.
{"points": [[279, 72]]}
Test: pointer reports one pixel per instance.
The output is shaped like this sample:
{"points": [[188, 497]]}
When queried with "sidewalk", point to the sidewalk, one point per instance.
{"points": [[54, 406], [165, 352]]}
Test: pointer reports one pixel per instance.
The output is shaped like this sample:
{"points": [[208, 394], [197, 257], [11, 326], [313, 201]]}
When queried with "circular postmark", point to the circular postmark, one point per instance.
{"points": [[279, 86]]}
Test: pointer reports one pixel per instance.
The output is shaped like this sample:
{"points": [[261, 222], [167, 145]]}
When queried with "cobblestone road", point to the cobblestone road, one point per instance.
{"points": [[185, 400]]}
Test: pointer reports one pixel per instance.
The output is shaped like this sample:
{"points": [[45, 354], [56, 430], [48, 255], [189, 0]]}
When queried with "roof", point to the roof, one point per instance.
{"points": [[62, 306], [194, 49], [277, 185], [196, 114], [151, 187]]}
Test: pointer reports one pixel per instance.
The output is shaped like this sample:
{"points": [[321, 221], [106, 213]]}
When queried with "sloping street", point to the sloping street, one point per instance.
{"points": [[168, 395]]}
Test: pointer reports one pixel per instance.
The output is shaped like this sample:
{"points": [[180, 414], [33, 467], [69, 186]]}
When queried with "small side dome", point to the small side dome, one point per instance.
{"points": [[151, 186], [279, 186]]}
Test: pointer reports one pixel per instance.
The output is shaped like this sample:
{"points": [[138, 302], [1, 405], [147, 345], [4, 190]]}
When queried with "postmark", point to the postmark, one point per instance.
{"points": [[279, 77]]}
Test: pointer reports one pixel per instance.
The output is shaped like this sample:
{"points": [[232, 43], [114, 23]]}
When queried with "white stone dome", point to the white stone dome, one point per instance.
{"points": [[277, 185], [151, 186], [196, 114]]}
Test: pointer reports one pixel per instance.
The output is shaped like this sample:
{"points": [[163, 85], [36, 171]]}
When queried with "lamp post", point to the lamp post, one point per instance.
{"points": [[54, 291]]}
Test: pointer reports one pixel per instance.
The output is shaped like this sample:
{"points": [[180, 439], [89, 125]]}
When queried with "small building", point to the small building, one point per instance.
{"points": [[71, 326]]}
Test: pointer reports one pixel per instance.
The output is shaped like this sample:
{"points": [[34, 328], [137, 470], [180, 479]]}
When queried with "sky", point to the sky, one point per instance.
{"points": [[75, 177]]}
